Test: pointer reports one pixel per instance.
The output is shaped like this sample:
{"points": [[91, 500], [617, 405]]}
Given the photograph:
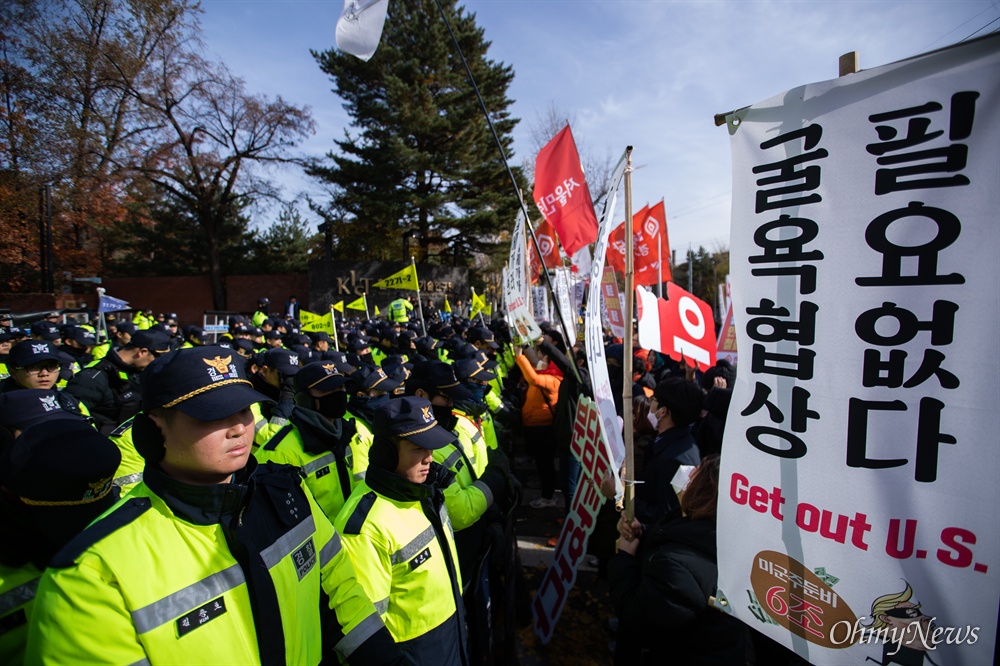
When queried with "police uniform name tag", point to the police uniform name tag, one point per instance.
{"points": [[421, 557], [305, 558], [199, 616]]}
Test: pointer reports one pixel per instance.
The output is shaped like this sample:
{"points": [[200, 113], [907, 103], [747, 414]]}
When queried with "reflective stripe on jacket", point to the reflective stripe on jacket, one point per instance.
{"points": [[160, 588], [404, 553]]}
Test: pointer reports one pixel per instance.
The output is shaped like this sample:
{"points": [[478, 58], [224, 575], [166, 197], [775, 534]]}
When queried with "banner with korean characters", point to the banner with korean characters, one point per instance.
{"points": [[589, 448], [858, 502], [515, 289]]}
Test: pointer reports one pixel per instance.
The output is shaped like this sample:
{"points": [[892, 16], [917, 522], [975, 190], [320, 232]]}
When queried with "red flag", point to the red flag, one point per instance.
{"points": [[683, 325], [649, 226], [546, 237], [562, 195], [654, 231]]}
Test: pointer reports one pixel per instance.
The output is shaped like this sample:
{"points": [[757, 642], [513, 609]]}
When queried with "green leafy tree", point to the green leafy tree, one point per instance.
{"points": [[710, 269], [162, 236], [286, 246], [419, 167]]}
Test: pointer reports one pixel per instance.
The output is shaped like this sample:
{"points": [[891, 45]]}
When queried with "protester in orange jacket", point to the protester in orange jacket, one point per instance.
{"points": [[537, 415]]}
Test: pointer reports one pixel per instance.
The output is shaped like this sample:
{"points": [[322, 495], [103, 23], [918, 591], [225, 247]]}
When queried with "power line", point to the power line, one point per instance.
{"points": [[924, 48], [985, 26]]}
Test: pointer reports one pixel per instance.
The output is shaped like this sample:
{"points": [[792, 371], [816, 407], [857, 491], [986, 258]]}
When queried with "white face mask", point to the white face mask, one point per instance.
{"points": [[653, 421]]}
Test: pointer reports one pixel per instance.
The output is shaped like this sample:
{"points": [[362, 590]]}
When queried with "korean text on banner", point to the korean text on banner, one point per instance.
{"points": [[613, 302], [681, 326], [650, 246], [858, 492], [587, 446], [561, 192], [515, 288]]}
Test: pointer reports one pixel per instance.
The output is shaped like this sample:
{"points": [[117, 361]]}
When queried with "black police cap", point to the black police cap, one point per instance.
{"points": [[29, 352], [411, 418], [437, 376], [206, 383]]}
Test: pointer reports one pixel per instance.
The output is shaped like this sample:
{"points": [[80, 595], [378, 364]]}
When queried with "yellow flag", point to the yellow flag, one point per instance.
{"points": [[357, 305], [307, 317], [404, 279], [318, 323], [447, 305], [376, 311], [478, 303], [339, 307]]}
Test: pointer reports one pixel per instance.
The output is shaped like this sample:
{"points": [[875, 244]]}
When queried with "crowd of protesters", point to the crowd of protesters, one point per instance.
{"points": [[282, 496]]}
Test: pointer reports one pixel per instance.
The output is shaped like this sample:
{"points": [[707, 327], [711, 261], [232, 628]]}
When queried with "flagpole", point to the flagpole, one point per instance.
{"points": [[629, 475], [503, 156], [420, 305], [364, 298], [102, 325], [659, 263], [333, 325]]}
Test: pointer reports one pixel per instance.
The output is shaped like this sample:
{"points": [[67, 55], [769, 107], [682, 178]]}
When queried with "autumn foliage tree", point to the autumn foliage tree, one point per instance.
{"points": [[111, 103]]}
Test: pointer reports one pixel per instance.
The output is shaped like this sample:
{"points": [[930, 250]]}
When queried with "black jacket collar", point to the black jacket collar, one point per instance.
{"points": [[202, 505], [397, 488]]}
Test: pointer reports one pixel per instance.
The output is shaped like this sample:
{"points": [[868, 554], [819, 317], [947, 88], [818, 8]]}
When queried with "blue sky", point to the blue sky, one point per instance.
{"points": [[646, 73]]}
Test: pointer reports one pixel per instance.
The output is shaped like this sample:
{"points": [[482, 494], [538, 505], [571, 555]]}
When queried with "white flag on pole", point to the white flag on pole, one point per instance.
{"points": [[359, 28]]}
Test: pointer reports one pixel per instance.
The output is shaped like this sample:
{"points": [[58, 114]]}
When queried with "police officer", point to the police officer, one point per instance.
{"points": [[194, 336], [212, 557], [78, 343], [55, 478], [371, 387], [479, 481], [261, 314], [399, 310], [6, 342], [110, 387], [32, 364], [316, 437], [397, 530]]}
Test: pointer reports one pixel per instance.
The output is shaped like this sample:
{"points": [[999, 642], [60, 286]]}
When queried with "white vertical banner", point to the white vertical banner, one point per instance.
{"points": [[540, 303], [859, 491], [594, 334], [566, 309], [515, 288]]}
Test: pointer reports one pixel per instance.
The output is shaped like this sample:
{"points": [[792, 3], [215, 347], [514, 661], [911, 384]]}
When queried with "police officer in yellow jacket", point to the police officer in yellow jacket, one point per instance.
{"points": [[317, 438], [399, 310], [212, 558], [397, 530], [479, 482]]}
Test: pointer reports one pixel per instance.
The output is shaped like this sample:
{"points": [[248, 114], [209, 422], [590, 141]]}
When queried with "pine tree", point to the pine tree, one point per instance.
{"points": [[419, 160]]}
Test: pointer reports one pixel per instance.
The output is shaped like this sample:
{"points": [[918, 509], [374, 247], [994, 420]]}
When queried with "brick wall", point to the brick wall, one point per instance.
{"points": [[191, 296]]}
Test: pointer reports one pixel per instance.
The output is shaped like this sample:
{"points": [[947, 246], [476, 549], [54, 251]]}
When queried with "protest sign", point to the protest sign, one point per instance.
{"points": [[588, 447], [858, 493]]}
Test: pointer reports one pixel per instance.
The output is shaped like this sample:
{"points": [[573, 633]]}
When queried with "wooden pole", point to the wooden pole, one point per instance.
{"points": [[849, 63], [627, 343]]}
